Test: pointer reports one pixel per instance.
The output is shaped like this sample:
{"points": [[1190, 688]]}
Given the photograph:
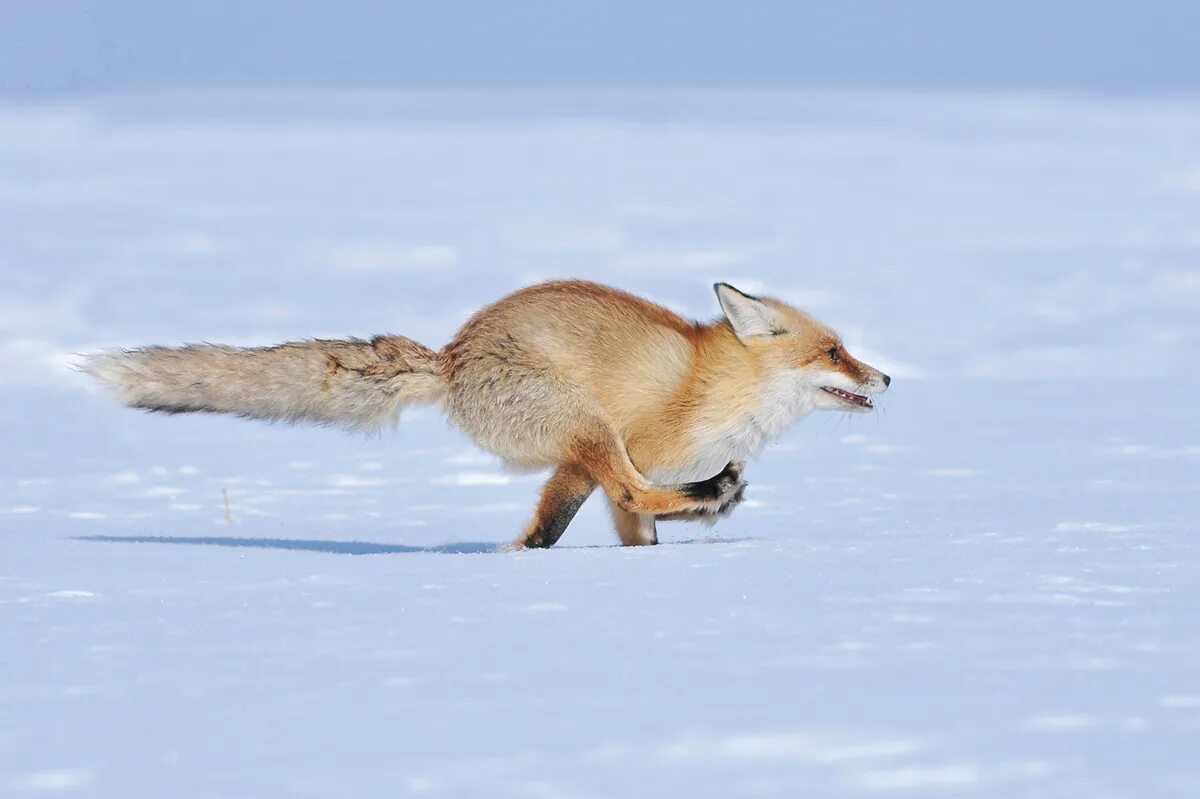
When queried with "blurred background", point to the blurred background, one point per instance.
{"points": [[996, 203]]}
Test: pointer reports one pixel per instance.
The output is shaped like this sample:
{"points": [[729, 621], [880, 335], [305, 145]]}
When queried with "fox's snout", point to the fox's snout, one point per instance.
{"points": [[878, 382], [864, 376]]}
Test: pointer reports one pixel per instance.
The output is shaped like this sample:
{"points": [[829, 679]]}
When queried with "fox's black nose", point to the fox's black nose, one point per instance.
{"points": [[887, 380]]}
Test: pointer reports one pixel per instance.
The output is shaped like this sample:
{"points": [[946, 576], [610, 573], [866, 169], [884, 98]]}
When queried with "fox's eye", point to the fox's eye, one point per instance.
{"points": [[833, 354]]}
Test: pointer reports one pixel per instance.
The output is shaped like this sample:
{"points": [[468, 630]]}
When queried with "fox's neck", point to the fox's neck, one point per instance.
{"points": [[720, 357], [741, 400], [726, 409]]}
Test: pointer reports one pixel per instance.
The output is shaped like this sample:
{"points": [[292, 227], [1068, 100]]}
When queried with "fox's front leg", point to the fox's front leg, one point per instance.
{"points": [[602, 455], [731, 484], [639, 529]]}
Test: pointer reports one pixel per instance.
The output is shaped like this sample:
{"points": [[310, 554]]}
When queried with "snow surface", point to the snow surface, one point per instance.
{"points": [[990, 587]]}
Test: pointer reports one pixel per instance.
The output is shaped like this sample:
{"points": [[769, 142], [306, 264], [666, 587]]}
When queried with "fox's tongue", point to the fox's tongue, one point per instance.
{"points": [[857, 399]]}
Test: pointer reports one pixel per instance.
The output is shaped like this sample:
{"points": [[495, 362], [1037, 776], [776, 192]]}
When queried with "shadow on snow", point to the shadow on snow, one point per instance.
{"points": [[305, 545], [353, 547]]}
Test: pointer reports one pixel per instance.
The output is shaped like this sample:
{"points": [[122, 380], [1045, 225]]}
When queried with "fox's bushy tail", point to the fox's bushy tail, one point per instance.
{"points": [[351, 383]]}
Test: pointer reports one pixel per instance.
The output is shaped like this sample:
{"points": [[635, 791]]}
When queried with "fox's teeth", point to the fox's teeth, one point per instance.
{"points": [[857, 399]]}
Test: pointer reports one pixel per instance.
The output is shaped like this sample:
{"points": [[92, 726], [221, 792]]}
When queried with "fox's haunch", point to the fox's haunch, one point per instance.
{"points": [[349, 383]]}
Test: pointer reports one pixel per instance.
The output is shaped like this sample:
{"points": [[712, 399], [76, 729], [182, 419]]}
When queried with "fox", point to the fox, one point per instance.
{"points": [[602, 387]]}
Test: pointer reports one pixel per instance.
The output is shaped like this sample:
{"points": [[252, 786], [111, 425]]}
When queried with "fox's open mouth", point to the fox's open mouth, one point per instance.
{"points": [[854, 399]]}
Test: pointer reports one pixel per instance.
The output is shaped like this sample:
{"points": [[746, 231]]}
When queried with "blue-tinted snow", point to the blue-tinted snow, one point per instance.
{"points": [[990, 587]]}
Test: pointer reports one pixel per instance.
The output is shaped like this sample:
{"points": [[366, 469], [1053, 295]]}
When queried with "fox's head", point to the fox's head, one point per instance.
{"points": [[806, 363]]}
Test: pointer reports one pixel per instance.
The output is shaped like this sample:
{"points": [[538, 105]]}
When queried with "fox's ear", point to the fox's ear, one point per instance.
{"points": [[749, 316]]}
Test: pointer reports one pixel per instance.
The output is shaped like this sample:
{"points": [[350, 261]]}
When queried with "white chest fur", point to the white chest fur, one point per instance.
{"points": [[782, 402]]}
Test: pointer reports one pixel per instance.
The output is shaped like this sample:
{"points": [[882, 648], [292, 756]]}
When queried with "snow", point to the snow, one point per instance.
{"points": [[989, 587]]}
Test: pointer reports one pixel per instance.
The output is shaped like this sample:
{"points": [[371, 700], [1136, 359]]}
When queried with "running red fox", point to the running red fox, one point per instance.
{"points": [[603, 387]]}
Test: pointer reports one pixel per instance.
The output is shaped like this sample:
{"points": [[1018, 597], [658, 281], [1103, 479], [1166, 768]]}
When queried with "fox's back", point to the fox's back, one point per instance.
{"points": [[541, 352]]}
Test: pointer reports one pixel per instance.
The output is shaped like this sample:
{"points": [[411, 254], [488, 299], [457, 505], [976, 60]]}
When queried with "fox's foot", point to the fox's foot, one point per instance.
{"points": [[733, 472], [733, 501], [721, 493]]}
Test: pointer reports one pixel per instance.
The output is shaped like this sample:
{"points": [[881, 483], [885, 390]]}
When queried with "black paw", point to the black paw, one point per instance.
{"points": [[725, 508], [733, 501], [724, 490], [731, 475]]}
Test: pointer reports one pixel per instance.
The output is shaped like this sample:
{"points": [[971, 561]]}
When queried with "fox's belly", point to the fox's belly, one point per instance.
{"points": [[709, 457], [713, 447], [696, 471]]}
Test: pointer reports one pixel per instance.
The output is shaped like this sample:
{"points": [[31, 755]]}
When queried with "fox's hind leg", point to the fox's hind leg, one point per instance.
{"points": [[562, 497], [634, 529]]}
